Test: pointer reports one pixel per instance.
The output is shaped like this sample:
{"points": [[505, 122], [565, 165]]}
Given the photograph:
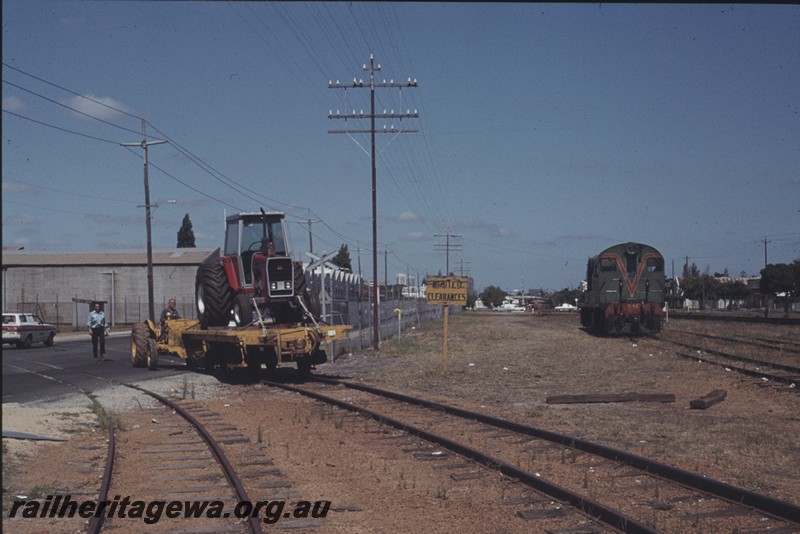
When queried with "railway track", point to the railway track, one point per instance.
{"points": [[178, 452], [783, 345], [786, 374], [613, 489], [775, 358], [772, 320], [186, 463]]}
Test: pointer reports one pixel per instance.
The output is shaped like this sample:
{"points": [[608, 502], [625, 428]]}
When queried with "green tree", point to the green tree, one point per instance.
{"points": [[492, 296], [342, 259], [781, 278], [733, 291], [186, 234], [701, 288]]}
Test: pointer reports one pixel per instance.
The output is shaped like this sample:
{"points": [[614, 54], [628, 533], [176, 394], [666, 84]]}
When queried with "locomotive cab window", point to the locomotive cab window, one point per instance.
{"points": [[608, 264], [654, 265]]}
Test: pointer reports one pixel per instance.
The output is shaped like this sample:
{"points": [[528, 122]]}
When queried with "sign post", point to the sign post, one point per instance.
{"points": [[447, 290]]}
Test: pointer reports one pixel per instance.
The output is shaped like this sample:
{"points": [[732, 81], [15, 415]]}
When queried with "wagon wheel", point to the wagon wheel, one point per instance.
{"points": [[304, 367], [140, 344], [253, 360], [196, 357]]}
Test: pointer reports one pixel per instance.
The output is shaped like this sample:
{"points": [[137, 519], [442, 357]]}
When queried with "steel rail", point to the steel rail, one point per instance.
{"points": [[741, 370], [227, 468], [740, 496], [96, 522], [590, 507], [736, 357], [765, 343], [733, 319]]}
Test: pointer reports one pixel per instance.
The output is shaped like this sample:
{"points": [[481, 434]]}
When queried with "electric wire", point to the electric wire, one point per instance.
{"points": [[41, 123]]}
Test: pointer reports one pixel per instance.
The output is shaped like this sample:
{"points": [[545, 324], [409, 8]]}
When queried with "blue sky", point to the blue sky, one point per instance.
{"points": [[547, 132]]}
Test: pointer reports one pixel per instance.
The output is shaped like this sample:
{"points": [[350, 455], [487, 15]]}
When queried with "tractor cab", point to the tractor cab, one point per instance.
{"points": [[255, 273], [256, 255]]}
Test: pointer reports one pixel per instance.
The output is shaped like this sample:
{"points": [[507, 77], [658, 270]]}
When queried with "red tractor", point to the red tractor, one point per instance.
{"points": [[255, 279]]}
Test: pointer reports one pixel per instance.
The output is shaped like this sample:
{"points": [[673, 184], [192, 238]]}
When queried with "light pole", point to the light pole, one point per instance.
{"points": [[144, 144]]}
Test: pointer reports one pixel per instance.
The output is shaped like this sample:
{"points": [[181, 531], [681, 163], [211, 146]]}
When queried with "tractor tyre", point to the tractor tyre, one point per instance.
{"points": [[152, 354], [140, 344], [214, 295], [242, 310]]}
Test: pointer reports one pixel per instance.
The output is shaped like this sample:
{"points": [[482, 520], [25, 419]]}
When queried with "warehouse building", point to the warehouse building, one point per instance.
{"points": [[59, 286]]}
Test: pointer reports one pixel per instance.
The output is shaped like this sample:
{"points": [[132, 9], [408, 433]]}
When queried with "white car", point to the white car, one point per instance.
{"points": [[25, 329]]}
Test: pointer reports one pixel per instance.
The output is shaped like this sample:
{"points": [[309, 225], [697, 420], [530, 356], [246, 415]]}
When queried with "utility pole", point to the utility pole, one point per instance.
{"points": [[386, 271], [446, 246], [310, 242], [359, 84], [766, 297], [144, 144]]}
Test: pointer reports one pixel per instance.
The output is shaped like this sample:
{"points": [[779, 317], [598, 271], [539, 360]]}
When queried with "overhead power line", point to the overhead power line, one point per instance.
{"points": [[60, 128]]}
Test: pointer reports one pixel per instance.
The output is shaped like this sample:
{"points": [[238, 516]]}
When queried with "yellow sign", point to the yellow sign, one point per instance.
{"points": [[447, 290]]}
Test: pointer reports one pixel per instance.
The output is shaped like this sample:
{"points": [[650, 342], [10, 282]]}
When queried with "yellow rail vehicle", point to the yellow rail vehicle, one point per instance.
{"points": [[248, 346]]}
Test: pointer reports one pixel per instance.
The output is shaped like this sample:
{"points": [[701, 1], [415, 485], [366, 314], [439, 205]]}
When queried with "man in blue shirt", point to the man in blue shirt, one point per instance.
{"points": [[97, 329]]}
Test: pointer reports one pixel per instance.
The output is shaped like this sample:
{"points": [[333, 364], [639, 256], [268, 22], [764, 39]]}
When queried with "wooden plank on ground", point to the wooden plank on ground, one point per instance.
{"points": [[718, 395], [611, 397]]}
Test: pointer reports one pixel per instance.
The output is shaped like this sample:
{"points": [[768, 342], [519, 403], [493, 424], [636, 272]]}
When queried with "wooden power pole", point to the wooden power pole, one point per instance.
{"points": [[359, 84]]}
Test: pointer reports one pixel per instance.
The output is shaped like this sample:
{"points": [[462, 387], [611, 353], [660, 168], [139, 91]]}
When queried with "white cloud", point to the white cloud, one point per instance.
{"points": [[409, 216], [97, 106], [501, 232], [415, 236], [11, 186], [13, 103]]}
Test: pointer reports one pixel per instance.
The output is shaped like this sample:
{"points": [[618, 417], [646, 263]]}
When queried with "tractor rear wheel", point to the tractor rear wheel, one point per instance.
{"points": [[140, 345], [214, 295]]}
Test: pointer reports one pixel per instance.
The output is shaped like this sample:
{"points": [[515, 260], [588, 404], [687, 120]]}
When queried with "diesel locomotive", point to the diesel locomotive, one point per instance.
{"points": [[624, 290]]}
